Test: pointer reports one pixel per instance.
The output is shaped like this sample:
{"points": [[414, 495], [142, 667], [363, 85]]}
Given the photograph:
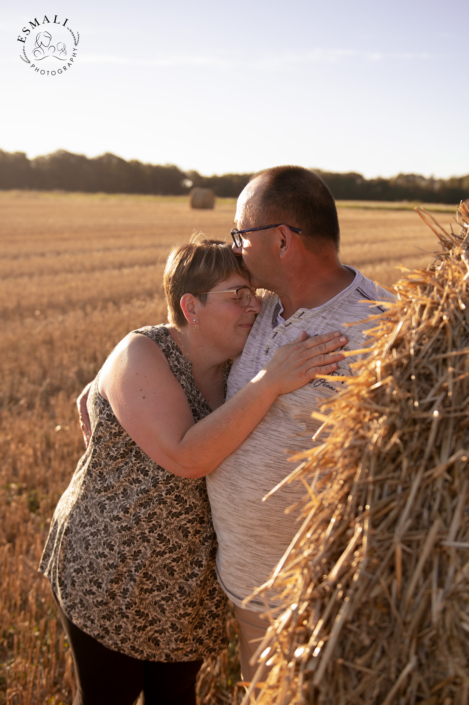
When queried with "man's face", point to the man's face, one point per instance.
{"points": [[255, 250]]}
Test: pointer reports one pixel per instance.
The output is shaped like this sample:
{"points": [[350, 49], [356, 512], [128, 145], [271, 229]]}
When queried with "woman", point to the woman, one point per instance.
{"points": [[131, 551]]}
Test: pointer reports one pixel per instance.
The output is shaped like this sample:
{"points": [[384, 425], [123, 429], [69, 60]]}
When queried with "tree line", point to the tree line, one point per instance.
{"points": [[108, 173]]}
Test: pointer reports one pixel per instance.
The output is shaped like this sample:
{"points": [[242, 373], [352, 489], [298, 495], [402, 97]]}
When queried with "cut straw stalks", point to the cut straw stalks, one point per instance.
{"points": [[375, 586], [218, 682]]}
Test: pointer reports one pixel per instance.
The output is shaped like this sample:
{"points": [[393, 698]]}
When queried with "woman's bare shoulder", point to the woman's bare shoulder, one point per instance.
{"points": [[135, 354]]}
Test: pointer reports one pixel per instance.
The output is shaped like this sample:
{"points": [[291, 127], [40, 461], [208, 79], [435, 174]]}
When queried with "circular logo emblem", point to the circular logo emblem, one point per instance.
{"points": [[50, 48]]}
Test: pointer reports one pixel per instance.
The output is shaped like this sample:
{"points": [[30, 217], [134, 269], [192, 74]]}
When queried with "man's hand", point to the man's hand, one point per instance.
{"points": [[83, 415]]}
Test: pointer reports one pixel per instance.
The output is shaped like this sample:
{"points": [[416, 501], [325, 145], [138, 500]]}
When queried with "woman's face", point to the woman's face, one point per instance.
{"points": [[223, 322]]}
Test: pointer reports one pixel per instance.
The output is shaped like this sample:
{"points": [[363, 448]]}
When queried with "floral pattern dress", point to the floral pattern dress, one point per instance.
{"points": [[131, 550]]}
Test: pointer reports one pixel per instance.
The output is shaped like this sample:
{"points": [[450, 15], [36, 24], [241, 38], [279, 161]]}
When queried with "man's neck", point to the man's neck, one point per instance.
{"points": [[314, 290]]}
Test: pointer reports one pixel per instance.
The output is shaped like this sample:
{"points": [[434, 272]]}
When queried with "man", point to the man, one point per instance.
{"points": [[287, 233]]}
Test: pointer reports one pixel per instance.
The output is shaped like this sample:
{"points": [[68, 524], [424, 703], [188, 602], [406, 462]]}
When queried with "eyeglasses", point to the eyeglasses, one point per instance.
{"points": [[238, 240], [243, 294]]}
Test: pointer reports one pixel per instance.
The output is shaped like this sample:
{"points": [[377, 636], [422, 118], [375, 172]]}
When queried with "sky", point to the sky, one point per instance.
{"points": [[374, 87]]}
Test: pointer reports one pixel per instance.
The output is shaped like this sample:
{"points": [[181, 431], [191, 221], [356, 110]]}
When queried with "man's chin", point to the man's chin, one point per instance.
{"points": [[255, 283]]}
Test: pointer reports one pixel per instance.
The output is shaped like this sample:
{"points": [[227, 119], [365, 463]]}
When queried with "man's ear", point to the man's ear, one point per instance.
{"points": [[284, 240], [187, 304]]}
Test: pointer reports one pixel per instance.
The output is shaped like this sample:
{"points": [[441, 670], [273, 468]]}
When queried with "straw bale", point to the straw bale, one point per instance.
{"points": [[376, 585], [202, 198]]}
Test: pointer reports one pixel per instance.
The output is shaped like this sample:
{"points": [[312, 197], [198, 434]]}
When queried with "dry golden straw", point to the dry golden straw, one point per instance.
{"points": [[376, 585]]}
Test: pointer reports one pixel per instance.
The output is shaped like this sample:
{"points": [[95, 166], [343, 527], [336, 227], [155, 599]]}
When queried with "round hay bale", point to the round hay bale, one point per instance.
{"points": [[202, 198], [376, 583]]}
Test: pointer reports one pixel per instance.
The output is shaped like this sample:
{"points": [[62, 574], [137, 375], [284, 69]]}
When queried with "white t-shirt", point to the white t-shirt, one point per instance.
{"points": [[253, 535]]}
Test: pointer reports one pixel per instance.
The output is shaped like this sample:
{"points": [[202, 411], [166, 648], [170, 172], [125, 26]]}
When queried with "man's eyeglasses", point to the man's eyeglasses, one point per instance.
{"points": [[243, 294], [237, 234]]}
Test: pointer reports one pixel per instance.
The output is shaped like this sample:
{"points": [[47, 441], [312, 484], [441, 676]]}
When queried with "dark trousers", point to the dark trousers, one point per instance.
{"points": [[106, 677]]}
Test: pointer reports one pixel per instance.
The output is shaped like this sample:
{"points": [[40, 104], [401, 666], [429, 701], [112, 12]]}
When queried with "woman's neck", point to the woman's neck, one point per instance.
{"points": [[207, 364], [203, 355]]}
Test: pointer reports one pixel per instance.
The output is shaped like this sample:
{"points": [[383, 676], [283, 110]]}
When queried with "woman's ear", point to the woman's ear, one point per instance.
{"points": [[187, 304]]}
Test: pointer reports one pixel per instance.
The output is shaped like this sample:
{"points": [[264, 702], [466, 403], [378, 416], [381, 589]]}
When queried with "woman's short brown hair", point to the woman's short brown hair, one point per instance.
{"points": [[194, 267]]}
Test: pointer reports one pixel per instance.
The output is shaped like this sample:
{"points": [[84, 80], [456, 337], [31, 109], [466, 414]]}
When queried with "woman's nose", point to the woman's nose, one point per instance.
{"points": [[254, 305]]}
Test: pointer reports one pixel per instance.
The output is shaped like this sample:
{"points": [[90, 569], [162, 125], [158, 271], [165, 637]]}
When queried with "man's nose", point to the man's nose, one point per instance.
{"points": [[237, 250]]}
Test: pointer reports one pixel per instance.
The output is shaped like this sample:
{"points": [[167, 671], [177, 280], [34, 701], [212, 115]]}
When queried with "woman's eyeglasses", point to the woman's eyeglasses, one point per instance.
{"points": [[237, 234], [243, 294]]}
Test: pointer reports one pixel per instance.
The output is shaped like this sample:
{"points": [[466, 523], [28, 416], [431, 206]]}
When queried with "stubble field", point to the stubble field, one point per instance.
{"points": [[77, 273]]}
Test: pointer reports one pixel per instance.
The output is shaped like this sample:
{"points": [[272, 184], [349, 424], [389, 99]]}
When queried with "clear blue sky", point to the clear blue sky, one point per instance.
{"points": [[370, 86]]}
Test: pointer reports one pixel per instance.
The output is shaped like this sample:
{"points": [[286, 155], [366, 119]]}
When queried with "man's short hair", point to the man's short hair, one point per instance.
{"points": [[297, 196], [197, 266]]}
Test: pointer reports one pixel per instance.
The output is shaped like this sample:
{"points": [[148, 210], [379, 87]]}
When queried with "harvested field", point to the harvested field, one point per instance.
{"points": [[77, 273]]}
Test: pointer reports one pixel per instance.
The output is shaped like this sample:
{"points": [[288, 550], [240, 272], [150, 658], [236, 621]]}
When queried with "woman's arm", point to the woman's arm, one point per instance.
{"points": [[151, 406]]}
